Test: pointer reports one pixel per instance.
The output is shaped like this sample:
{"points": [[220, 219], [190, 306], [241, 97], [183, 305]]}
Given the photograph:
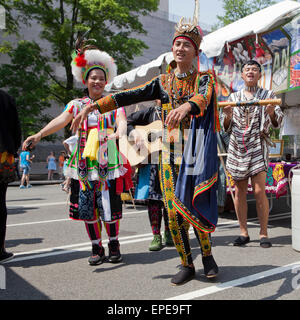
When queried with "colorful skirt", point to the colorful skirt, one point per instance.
{"points": [[95, 203]]}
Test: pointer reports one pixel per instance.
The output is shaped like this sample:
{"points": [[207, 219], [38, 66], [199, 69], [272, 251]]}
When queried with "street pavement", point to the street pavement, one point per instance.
{"points": [[51, 257]]}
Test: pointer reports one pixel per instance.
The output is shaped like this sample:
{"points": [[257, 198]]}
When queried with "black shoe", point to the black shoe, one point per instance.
{"points": [[5, 256], [210, 267], [114, 251], [241, 240], [265, 242], [184, 275], [98, 255]]}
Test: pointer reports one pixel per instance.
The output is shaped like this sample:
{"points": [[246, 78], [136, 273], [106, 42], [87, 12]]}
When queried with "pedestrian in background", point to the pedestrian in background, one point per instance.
{"points": [[25, 163], [10, 141], [51, 165], [61, 161]]}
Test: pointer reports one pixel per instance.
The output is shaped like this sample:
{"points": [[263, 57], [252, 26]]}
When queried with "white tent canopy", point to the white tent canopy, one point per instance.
{"points": [[213, 43], [141, 74], [255, 23]]}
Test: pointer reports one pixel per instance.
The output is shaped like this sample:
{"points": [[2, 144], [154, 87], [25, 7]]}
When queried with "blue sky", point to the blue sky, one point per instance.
{"points": [[209, 9]]}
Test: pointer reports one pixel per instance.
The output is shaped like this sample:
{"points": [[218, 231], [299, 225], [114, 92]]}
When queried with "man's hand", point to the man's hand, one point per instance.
{"points": [[227, 111], [270, 110], [177, 115], [82, 115], [138, 139]]}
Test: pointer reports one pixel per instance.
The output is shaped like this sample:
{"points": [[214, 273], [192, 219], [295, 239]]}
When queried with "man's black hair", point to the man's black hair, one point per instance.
{"points": [[251, 63]]}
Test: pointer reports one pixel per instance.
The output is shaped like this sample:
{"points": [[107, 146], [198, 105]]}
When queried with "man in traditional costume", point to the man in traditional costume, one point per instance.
{"points": [[249, 127], [189, 102]]}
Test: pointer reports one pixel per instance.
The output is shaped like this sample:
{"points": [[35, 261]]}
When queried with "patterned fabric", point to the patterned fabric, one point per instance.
{"points": [[248, 150], [155, 215], [198, 90], [7, 167], [90, 204], [91, 197], [276, 179], [86, 169], [94, 230]]}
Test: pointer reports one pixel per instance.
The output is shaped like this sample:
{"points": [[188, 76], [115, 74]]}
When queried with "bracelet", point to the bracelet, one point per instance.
{"points": [[98, 106], [41, 135]]}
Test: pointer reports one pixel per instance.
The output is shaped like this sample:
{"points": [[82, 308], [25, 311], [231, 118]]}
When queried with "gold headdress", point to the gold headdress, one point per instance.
{"points": [[189, 29]]}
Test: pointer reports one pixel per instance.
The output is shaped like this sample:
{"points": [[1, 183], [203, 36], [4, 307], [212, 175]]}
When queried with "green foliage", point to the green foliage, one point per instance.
{"points": [[238, 9], [26, 79], [114, 25]]}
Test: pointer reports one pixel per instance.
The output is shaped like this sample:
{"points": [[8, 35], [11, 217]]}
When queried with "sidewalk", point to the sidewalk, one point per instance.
{"points": [[39, 175]]}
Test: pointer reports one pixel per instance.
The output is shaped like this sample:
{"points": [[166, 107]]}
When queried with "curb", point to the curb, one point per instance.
{"points": [[33, 182]]}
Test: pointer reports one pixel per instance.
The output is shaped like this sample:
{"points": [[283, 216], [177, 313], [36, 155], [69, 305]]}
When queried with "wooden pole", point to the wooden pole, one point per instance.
{"points": [[273, 102]]}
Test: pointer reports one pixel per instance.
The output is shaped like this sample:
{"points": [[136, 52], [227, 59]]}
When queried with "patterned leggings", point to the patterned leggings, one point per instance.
{"points": [[157, 211], [179, 227], [94, 229]]}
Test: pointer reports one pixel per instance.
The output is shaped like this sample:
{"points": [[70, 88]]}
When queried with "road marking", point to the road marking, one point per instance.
{"points": [[36, 205], [61, 220], [222, 225], [234, 283], [47, 252], [123, 240]]}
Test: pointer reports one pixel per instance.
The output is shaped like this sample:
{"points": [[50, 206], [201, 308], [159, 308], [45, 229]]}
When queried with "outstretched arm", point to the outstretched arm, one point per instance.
{"points": [[146, 92], [53, 126]]}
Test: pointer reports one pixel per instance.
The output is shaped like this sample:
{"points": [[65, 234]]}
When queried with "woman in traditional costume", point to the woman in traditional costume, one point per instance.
{"points": [[97, 169], [189, 101]]}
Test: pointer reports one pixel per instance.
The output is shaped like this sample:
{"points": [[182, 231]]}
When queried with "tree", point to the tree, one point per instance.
{"points": [[238, 9], [26, 78], [114, 25]]}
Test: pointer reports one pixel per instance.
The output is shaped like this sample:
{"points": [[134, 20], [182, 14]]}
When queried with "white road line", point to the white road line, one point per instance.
{"points": [[61, 220], [222, 225], [36, 205], [47, 252], [123, 240], [234, 283]]}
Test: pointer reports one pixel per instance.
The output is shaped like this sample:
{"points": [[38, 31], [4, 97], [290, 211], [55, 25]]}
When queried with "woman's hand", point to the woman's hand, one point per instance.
{"points": [[82, 115], [31, 141], [177, 115], [113, 136]]}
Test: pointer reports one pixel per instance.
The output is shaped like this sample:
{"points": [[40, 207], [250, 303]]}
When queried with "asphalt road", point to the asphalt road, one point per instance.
{"points": [[51, 253]]}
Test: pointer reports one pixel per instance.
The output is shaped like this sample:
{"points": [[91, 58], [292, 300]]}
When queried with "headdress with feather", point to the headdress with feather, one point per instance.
{"points": [[87, 57]]}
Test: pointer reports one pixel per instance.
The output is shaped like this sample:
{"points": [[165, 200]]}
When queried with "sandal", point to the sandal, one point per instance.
{"points": [[241, 240], [264, 242]]}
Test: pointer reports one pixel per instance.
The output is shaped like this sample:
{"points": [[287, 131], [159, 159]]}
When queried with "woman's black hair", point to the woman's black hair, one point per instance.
{"points": [[251, 63]]}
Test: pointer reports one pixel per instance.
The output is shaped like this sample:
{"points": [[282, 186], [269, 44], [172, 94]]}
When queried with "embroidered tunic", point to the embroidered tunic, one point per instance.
{"points": [[101, 179], [191, 190], [248, 147], [115, 167]]}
